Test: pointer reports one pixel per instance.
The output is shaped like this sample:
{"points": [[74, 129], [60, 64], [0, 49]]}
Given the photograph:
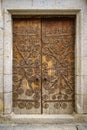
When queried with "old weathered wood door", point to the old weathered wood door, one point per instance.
{"points": [[43, 65]]}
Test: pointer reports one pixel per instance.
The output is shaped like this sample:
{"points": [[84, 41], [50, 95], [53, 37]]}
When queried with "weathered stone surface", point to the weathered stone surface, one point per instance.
{"points": [[78, 89], [5, 127], [43, 4], [1, 105], [1, 61], [0, 4], [85, 103], [16, 4], [8, 103], [84, 66], [84, 46], [84, 84], [79, 103], [8, 83], [1, 64], [1, 82], [43, 127], [82, 127], [77, 66], [8, 44], [36, 127], [1, 102]]}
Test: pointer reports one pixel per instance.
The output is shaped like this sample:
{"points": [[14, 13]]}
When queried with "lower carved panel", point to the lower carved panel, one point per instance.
{"points": [[26, 106], [57, 107]]}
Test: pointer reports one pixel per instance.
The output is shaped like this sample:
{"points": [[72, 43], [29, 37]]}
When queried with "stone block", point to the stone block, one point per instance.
{"points": [[1, 64], [81, 85], [43, 4], [0, 7], [17, 4], [43, 127], [8, 83], [1, 35], [8, 103], [85, 103], [84, 66], [8, 64], [84, 84], [1, 23], [5, 127], [1, 51], [84, 46], [78, 87], [82, 127], [69, 4], [7, 25], [1, 102], [77, 66], [1, 82], [79, 103], [8, 45]]}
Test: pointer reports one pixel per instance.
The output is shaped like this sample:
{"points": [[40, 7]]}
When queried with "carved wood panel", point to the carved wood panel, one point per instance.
{"points": [[27, 65], [58, 65], [43, 65]]}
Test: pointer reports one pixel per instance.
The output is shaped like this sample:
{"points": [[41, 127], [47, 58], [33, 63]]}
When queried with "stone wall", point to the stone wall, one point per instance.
{"points": [[65, 7], [1, 60]]}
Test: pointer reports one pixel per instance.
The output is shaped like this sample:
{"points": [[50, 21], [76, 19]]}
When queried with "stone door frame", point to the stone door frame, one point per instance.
{"points": [[8, 54]]}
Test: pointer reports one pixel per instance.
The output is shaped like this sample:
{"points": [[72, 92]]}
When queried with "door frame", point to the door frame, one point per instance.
{"points": [[8, 55]]}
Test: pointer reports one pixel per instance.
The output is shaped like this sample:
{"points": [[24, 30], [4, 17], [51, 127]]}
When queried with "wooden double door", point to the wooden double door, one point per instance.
{"points": [[43, 65]]}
